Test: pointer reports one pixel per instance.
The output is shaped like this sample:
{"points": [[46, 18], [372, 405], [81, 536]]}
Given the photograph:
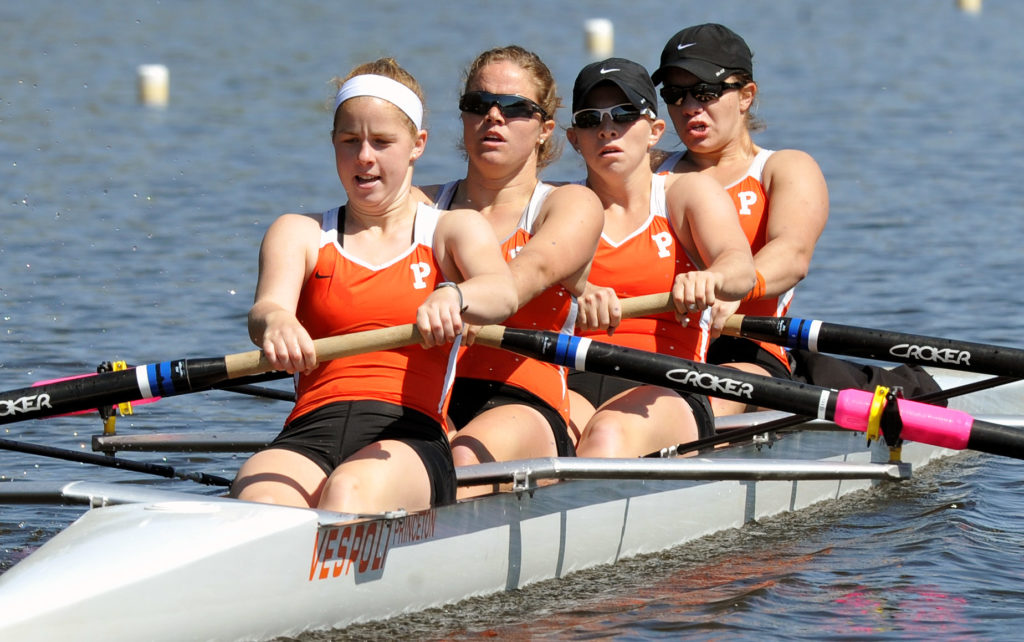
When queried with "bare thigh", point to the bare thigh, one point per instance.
{"points": [[637, 422], [722, 407], [279, 476], [513, 431], [580, 412], [385, 475]]}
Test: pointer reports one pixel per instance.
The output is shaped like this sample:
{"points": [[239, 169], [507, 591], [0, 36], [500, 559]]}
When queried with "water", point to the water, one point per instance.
{"points": [[131, 233]]}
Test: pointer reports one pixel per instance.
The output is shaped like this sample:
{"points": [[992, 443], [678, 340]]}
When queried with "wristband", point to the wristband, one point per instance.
{"points": [[458, 290], [758, 290]]}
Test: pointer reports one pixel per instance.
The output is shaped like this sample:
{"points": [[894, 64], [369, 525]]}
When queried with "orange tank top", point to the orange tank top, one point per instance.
{"points": [[647, 262], [751, 201], [345, 294], [554, 310]]}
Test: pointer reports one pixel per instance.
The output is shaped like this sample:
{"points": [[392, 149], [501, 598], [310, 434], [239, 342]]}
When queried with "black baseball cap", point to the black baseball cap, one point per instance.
{"points": [[632, 78], [711, 52]]}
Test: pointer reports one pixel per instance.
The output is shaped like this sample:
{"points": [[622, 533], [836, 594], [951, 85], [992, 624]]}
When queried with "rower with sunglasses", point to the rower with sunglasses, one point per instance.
{"points": [[662, 232], [506, 406], [780, 197]]}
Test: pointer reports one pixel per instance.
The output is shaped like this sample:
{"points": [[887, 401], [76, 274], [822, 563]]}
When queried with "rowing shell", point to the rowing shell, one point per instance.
{"points": [[182, 566]]}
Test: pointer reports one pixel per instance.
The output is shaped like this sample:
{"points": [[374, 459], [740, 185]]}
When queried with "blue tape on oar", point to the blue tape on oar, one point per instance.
{"points": [[565, 350]]}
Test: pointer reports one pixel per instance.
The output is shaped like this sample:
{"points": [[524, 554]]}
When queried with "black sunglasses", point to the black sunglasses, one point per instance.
{"points": [[702, 91], [591, 117], [510, 105]]}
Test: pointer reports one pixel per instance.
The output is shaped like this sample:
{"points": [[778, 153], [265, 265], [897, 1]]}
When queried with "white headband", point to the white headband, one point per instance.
{"points": [[386, 89]]}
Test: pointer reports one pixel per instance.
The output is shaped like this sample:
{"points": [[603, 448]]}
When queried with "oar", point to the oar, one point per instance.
{"points": [[170, 378], [819, 336], [182, 376], [111, 462], [788, 421], [851, 409]]}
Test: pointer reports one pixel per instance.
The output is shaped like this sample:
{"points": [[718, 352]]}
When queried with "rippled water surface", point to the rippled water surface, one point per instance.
{"points": [[131, 233]]}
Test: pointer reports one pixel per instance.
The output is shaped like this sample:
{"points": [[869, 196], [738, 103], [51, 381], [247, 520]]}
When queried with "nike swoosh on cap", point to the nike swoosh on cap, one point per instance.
{"points": [[608, 71], [682, 46]]}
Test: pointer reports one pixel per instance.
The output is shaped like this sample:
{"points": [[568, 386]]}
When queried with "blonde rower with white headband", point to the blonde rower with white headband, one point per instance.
{"points": [[367, 432]]}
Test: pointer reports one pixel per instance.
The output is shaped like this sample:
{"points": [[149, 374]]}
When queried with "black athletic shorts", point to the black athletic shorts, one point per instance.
{"points": [[740, 350], [331, 434], [470, 397], [598, 388]]}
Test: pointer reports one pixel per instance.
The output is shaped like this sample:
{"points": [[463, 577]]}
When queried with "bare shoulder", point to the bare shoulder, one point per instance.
{"points": [[294, 223], [788, 161], [573, 195], [691, 182], [461, 222]]}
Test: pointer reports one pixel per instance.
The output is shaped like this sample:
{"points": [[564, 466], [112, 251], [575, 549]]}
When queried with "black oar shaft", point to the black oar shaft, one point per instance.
{"points": [[160, 470], [164, 379], [852, 409], [820, 336]]}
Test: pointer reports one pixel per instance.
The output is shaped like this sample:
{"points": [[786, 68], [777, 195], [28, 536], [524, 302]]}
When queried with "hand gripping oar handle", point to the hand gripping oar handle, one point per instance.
{"points": [[819, 336], [849, 409]]}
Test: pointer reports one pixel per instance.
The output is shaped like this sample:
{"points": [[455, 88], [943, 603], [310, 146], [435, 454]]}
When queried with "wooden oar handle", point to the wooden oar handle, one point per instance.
{"points": [[640, 306], [734, 325], [243, 364]]}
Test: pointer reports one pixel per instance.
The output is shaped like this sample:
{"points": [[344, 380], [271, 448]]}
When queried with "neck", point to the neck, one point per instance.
{"points": [[630, 192], [739, 149], [486, 191], [385, 216]]}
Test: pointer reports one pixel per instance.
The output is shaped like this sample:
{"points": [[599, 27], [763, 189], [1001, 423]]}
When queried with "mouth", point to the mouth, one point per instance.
{"points": [[366, 179], [697, 128], [609, 150], [493, 137]]}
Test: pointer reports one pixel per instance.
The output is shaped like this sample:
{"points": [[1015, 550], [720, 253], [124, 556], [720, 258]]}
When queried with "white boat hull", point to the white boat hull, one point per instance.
{"points": [[221, 569]]}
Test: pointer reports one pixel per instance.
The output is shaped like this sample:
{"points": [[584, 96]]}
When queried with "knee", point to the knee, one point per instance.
{"points": [[602, 437], [463, 455], [340, 491]]}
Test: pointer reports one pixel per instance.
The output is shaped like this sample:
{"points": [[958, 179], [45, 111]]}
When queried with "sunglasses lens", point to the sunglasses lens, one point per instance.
{"points": [[510, 105], [702, 92], [624, 115], [474, 103], [514, 107], [587, 118], [706, 93]]}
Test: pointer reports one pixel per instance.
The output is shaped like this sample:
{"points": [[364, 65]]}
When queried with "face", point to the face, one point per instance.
{"points": [[614, 147], [494, 138], [708, 126], [374, 150]]}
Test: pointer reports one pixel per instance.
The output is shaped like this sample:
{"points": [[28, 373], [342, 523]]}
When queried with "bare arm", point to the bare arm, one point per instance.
{"points": [[467, 247], [704, 218], [798, 211], [287, 255], [563, 246]]}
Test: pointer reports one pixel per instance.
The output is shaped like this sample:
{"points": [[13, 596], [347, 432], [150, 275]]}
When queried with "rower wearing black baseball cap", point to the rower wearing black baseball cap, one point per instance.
{"points": [[661, 232], [707, 77]]}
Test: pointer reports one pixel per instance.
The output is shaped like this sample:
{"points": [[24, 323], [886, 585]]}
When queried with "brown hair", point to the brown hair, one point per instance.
{"points": [[753, 122], [544, 82], [389, 68]]}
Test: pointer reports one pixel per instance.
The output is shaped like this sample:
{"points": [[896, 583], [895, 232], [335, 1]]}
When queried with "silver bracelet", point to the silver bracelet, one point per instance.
{"points": [[458, 290]]}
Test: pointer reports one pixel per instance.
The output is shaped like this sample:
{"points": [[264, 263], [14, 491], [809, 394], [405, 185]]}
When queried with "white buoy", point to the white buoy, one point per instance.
{"points": [[600, 37], [969, 6], [154, 81]]}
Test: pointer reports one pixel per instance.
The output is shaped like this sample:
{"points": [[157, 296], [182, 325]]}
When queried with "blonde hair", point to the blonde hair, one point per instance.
{"points": [[543, 81], [389, 68]]}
